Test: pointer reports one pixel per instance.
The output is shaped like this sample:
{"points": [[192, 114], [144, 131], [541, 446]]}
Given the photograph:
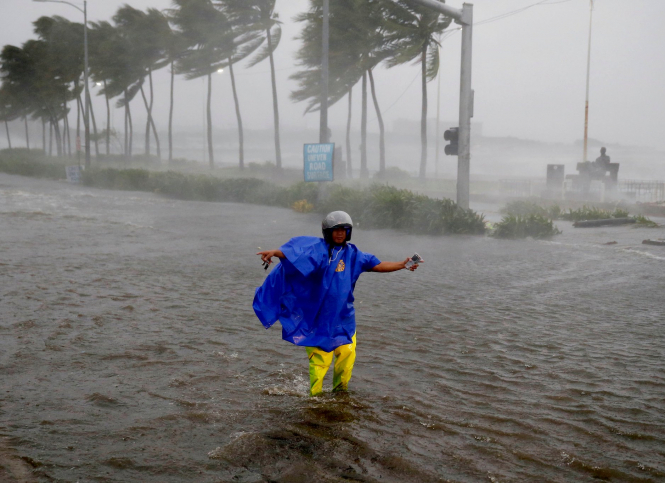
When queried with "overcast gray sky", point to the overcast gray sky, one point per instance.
{"points": [[529, 71]]}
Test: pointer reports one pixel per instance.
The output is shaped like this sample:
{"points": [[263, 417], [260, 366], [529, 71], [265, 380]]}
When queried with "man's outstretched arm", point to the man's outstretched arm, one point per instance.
{"points": [[266, 256], [385, 267]]}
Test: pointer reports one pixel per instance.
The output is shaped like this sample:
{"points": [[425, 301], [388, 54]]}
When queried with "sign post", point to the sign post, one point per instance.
{"points": [[318, 162]]}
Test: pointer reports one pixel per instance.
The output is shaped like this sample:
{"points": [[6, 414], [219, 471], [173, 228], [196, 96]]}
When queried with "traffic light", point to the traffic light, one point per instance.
{"points": [[452, 135]]}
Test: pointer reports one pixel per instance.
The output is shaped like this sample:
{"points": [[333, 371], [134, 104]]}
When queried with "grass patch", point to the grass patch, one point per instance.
{"points": [[535, 226]]}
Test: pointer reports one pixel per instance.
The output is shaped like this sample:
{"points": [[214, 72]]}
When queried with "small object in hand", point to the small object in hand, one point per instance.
{"points": [[266, 265], [415, 259]]}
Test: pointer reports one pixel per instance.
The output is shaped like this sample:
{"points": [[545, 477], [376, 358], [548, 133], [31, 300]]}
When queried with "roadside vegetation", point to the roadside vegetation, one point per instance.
{"points": [[522, 210], [523, 226]]}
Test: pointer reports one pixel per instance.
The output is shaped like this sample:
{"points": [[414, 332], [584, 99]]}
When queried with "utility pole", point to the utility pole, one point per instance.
{"points": [[323, 129], [463, 17], [588, 75]]}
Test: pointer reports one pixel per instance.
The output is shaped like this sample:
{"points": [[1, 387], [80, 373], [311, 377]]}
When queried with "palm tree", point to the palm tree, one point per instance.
{"points": [[59, 35], [260, 16], [210, 38], [174, 48], [145, 32], [413, 33], [357, 45], [33, 83]]}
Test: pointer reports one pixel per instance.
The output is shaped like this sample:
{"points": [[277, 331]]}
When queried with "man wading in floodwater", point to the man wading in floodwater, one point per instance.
{"points": [[311, 293]]}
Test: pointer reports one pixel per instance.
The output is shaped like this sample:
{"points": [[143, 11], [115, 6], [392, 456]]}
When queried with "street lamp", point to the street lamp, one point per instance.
{"points": [[588, 75], [86, 114]]}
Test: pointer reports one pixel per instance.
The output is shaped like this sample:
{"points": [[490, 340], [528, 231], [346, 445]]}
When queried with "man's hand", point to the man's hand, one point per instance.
{"points": [[412, 267], [266, 256]]}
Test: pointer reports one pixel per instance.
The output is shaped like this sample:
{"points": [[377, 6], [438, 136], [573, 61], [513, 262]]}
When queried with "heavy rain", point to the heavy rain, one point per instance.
{"points": [[161, 160]]}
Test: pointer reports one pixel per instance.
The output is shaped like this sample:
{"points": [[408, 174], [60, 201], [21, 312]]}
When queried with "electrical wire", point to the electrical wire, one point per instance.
{"points": [[519, 10], [449, 34]]}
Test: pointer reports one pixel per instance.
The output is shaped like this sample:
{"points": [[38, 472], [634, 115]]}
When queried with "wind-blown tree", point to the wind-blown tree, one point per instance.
{"points": [[209, 36], [7, 110], [174, 48], [246, 39], [413, 32], [357, 45], [34, 84], [64, 41], [121, 70], [102, 43], [146, 33], [260, 16]]}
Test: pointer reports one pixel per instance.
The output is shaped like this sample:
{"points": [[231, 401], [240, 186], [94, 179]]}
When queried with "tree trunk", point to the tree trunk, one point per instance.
{"points": [[50, 138], [27, 134], [423, 119], [171, 115], [78, 129], [152, 119], [58, 138], [9, 140], [348, 135], [211, 158], [131, 130], [44, 136], [364, 173], [241, 135], [147, 123], [108, 121], [65, 134], [382, 131], [275, 106], [94, 124], [126, 127]]}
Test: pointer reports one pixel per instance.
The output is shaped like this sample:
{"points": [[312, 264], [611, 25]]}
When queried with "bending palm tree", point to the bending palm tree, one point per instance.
{"points": [[412, 32]]}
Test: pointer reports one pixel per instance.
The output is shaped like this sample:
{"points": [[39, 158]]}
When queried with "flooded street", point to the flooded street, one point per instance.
{"points": [[129, 351]]}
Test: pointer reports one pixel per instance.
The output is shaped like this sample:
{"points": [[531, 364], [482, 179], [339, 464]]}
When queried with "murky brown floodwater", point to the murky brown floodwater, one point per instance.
{"points": [[129, 351]]}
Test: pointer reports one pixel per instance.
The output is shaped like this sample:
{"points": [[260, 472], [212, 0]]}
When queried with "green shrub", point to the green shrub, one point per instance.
{"points": [[645, 222], [591, 213], [535, 226], [388, 207], [526, 208], [33, 163], [375, 207]]}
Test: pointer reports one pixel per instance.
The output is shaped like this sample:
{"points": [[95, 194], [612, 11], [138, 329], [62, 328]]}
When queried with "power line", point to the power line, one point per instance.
{"points": [[519, 10]]}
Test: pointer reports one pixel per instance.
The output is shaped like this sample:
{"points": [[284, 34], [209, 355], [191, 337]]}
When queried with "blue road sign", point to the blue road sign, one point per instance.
{"points": [[319, 162]]}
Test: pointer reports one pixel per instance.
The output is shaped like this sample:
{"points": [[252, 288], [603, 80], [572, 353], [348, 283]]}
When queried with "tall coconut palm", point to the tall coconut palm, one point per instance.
{"points": [[34, 83], [145, 32], [174, 48], [60, 35], [413, 32], [357, 45], [209, 35], [260, 16]]}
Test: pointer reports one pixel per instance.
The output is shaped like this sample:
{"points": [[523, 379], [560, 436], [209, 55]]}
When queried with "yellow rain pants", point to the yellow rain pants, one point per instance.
{"points": [[319, 362]]}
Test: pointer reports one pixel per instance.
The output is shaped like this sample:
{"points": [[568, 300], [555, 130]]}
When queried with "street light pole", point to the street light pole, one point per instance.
{"points": [[463, 17], [323, 128], [86, 115], [588, 75], [86, 111]]}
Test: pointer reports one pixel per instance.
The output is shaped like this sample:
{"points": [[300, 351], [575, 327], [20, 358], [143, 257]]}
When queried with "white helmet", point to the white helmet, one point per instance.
{"points": [[336, 219]]}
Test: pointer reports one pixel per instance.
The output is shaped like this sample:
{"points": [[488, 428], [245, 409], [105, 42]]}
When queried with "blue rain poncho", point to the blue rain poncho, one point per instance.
{"points": [[311, 292]]}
